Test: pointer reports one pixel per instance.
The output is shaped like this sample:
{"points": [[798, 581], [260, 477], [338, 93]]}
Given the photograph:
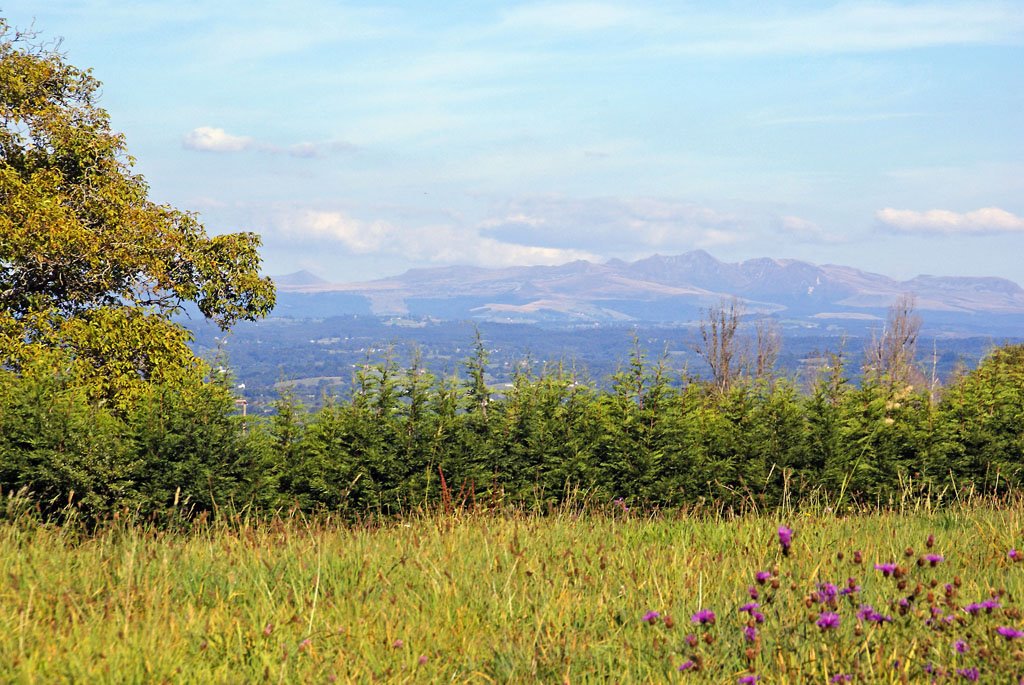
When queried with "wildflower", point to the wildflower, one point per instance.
{"points": [[868, 613], [1009, 633], [887, 568], [757, 616], [268, 629], [750, 633], [960, 647], [752, 591], [968, 673], [651, 617], [691, 640], [687, 665], [930, 542], [749, 607], [1014, 555], [933, 559], [762, 577], [748, 679], [850, 590], [974, 608], [828, 620], [841, 678], [827, 592], [785, 539], [398, 644], [422, 660], [703, 617]]}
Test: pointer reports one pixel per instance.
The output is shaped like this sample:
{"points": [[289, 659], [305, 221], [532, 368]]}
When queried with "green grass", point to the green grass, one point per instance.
{"points": [[481, 598]]}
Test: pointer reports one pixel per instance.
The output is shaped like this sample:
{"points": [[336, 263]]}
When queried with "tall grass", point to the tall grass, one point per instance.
{"points": [[514, 597]]}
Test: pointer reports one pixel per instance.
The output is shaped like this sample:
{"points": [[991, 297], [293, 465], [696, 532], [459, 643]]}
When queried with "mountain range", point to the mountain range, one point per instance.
{"points": [[660, 288]]}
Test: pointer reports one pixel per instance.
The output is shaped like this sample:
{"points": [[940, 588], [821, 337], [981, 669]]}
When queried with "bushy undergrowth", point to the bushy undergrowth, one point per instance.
{"points": [[405, 439], [605, 596]]}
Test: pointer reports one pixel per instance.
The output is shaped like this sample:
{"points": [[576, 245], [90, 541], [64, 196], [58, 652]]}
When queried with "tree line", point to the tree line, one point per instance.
{"points": [[404, 439]]}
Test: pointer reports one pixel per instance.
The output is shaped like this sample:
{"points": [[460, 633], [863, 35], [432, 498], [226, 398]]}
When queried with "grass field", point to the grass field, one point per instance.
{"points": [[521, 598]]}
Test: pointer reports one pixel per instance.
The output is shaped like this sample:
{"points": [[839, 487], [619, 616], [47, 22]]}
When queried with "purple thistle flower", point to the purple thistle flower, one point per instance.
{"points": [[750, 633], [752, 591], [651, 617], [827, 592], [934, 559], [828, 620], [750, 607], [1014, 555], [1009, 633], [748, 679], [968, 673], [785, 539], [960, 647], [686, 665], [975, 608], [762, 577], [703, 617], [887, 568], [757, 616]]}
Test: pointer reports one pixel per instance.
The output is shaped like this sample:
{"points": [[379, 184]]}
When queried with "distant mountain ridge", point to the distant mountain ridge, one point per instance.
{"points": [[657, 288]]}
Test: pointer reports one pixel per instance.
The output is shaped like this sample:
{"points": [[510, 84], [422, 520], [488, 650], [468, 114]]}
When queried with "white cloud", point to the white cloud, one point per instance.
{"points": [[359, 237], [431, 243], [622, 226], [211, 139], [981, 221]]}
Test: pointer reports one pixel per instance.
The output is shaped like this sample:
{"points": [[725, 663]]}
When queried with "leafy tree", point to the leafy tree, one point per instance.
{"points": [[88, 263], [981, 418]]}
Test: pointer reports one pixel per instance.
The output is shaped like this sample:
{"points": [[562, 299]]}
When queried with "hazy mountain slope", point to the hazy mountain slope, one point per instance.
{"points": [[658, 288]]}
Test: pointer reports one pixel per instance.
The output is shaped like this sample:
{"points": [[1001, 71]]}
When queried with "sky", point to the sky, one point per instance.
{"points": [[362, 139]]}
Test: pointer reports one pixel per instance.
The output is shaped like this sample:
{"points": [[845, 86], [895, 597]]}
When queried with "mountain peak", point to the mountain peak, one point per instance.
{"points": [[299, 279]]}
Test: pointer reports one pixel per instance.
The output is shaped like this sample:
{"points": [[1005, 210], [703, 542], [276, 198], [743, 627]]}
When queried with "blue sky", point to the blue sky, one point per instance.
{"points": [[361, 139]]}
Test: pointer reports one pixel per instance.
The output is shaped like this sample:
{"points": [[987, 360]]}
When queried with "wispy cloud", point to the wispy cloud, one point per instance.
{"points": [[852, 27], [805, 230], [212, 139], [571, 16], [989, 220], [846, 27], [437, 243], [624, 226], [838, 118]]}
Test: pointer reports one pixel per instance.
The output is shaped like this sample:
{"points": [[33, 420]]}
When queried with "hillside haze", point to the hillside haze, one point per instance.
{"points": [[669, 289]]}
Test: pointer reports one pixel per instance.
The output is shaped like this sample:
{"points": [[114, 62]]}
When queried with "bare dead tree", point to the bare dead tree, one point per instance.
{"points": [[767, 343], [890, 355], [718, 343]]}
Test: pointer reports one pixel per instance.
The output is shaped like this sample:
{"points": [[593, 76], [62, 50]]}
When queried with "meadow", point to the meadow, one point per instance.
{"points": [[602, 596]]}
